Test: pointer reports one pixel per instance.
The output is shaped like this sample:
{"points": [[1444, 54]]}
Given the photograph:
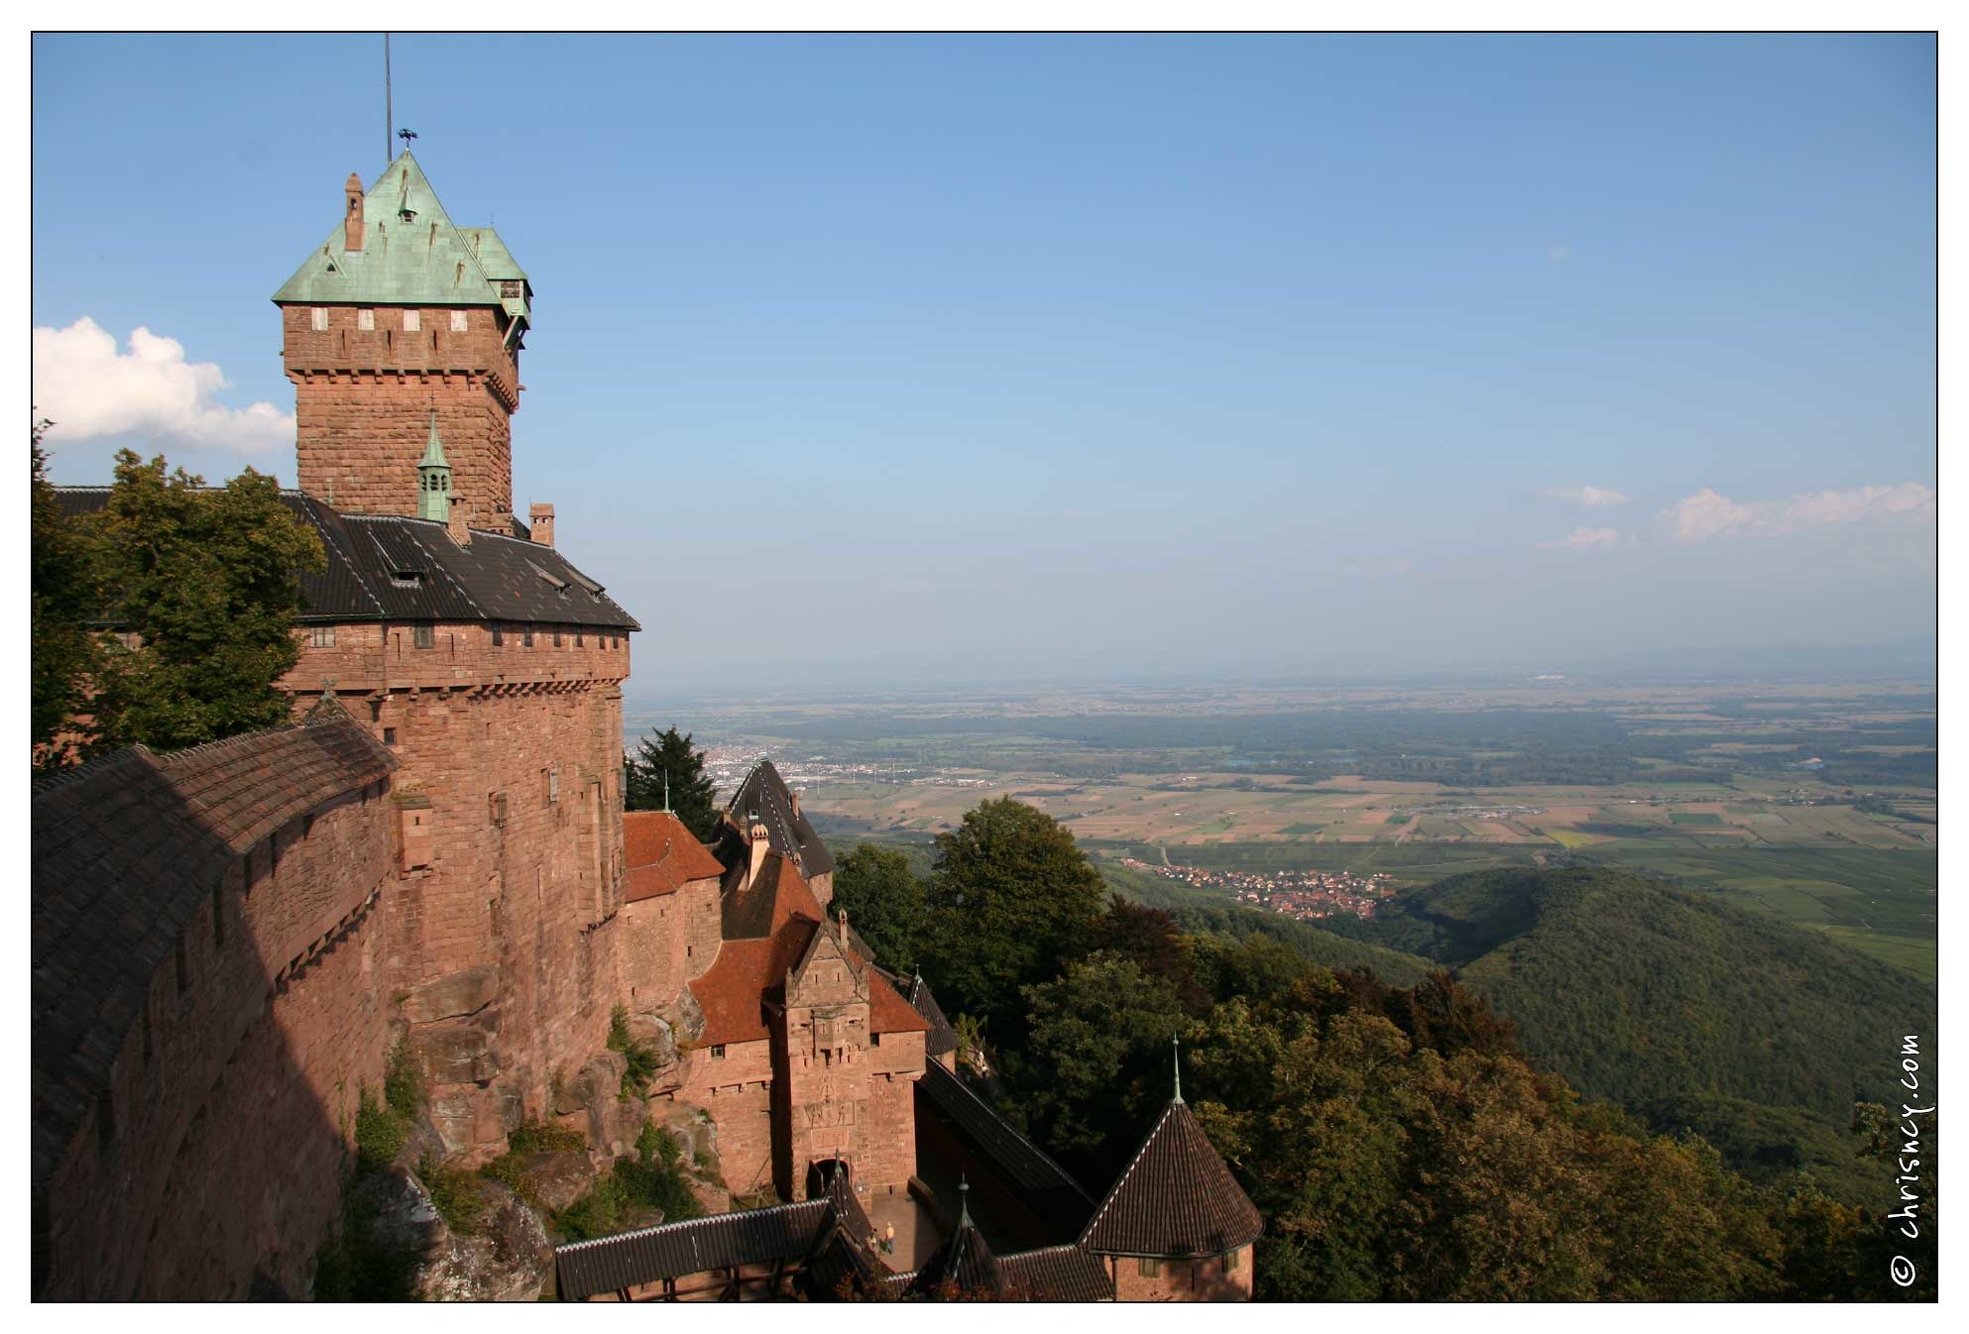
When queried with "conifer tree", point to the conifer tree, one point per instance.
{"points": [[670, 754]]}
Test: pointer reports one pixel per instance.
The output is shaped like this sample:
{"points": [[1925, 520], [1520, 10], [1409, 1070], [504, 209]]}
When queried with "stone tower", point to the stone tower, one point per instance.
{"points": [[398, 323]]}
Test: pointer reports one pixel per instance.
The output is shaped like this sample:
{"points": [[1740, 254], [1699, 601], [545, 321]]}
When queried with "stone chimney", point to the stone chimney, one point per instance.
{"points": [[352, 224], [761, 844], [540, 524], [455, 524]]}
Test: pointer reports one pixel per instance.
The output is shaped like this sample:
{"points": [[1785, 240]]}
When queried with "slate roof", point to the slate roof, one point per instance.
{"points": [[692, 1246], [1176, 1200], [942, 1036], [420, 261], [826, 1236], [387, 567], [765, 794], [963, 1259], [661, 855], [1042, 1183], [125, 851]]}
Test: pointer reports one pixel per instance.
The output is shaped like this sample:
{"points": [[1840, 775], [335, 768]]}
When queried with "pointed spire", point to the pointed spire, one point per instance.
{"points": [[963, 1202], [1176, 1056], [434, 478], [433, 447]]}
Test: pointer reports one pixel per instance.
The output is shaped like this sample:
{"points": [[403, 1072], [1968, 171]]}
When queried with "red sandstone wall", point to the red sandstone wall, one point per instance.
{"points": [[363, 400], [668, 941], [531, 894], [1224, 1279], [888, 1151], [370, 657], [703, 927], [229, 1134], [652, 952], [736, 1090]]}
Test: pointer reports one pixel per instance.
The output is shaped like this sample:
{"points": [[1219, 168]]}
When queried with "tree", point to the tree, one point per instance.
{"points": [[1011, 898], [1098, 1060], [884, 902], [1150, 938], [201, 587], [206, 587], [670, 755], [63, 596]]}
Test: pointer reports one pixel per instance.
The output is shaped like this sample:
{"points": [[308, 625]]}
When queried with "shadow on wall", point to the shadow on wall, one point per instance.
{"points": [[207, 1008]]}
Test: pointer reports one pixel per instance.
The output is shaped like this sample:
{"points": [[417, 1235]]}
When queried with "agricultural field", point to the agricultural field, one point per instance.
{"points": [[1816, 803]]}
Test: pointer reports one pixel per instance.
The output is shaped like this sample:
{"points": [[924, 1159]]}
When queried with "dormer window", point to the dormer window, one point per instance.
{"points": [[407, 578]]}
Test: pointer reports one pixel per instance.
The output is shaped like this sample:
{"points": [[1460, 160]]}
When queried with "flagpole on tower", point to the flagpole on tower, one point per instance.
{"points": [[389, 112]]}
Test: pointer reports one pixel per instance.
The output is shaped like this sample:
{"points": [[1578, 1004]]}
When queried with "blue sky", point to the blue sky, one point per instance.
{"points": [[868, 360]]}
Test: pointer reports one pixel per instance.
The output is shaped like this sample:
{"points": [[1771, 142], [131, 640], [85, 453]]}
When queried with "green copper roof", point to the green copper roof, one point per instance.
{"points": [[411, 254], [502, 269], [434, 478]]}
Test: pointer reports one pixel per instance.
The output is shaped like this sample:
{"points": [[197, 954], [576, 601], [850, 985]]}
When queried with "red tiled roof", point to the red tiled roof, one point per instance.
{"points": [[661, 856], [732, 994], [888, 1012], [776, 898]]}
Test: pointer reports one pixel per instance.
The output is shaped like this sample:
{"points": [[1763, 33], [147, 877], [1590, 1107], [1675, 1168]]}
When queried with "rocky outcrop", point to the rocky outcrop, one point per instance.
{"points": [[461, 1050], [506, 1256], [475, 1121], [508, 1259], [454, 996], [599, 1079], [555, 1179]]}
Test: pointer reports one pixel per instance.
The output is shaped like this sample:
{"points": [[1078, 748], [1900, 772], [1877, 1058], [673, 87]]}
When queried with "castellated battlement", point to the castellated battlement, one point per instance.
{"points": [[493, 658]]}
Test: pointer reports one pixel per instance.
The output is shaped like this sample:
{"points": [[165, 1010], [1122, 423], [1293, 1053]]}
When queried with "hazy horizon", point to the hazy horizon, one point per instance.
{"points": [[872, 360]]}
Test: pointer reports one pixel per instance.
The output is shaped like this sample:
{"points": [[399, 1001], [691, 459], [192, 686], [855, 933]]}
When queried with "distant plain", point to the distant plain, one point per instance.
{"points": [[1814, 801]]}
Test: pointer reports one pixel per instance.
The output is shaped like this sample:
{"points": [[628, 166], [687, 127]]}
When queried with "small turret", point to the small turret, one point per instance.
{"points": [[434, 479]]}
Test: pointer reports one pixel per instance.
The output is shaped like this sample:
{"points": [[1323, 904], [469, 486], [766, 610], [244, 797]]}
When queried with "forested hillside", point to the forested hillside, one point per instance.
{"points": [[1403, 1140], [1693, 1013]]}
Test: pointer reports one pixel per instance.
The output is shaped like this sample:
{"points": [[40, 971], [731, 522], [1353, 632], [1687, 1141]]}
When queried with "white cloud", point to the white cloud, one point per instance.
{"points": [[1706, 514], [1583, 539], [1593, 497], [90, 390]]}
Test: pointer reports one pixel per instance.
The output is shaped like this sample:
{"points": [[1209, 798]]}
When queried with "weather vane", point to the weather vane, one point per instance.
{"points": [[406, 136]]}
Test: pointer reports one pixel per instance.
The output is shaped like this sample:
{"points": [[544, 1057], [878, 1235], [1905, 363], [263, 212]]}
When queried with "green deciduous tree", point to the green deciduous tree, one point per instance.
{"points": [[202, 588], [207, 586], [670, 755], [884, 902], [1011, 898], [1098, 1060]]}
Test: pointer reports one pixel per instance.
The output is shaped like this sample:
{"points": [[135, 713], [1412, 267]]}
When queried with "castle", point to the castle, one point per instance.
{"points": [[434, 856]]}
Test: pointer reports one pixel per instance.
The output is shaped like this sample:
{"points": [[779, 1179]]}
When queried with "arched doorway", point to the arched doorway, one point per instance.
{"points": [[821, 1171]]}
